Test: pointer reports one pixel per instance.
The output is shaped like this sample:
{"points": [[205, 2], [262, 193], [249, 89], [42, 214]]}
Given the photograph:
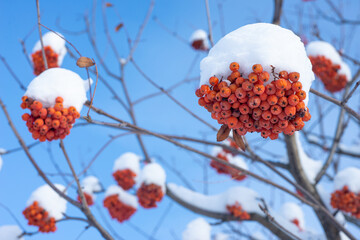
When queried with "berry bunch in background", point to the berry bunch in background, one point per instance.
{"points": [[237, 211], [149, 195], [38, 62], [50, 123], [37, 216], [346, 201], [253, 104], [328, 72], [117, 207]]}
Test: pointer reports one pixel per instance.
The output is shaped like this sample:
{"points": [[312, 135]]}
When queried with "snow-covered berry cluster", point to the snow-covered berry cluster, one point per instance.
{"points": [[45, 207], [38, 62], [199, 40], [49, 123], [55, 50], [120, 204], [126, 169], [237, 211], [88, 197], [38, 216], [328, 65], [90, 185], [245, 104], [347, 201], [230, 158]]}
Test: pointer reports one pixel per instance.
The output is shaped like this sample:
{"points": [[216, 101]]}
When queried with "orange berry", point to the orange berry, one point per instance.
{"points": [[210, 96], [218, 97], [293, 100], [283, 74], [280, 83], [283, 123], [43, 113], [289, 130], [55, 124], [288, 85], [43, 129], [234, 66], [273, 136], [59, 100], [213, 81], [225, 92], [240, 93], [280, 92], [300, 106], [35, 113], [239, 81], [256, 113], [294, 76], [25, 116], [51, 111], [24, 98], [275, 109], [70, 119], [38, 122], [290, 111], [35, 134], [259, 89], [283, 102], [274, 119], [225, 105], [235, 105], [264, 76], [201, 102], [36, 105], [263, 96], [57, 115], [257, 68], [226, 113], [250, 94], [264, 105], [232, 99], [270, 89], [243, 100], [272, 99], [216, 107], [254, 102], [297, 121], [282, 116], [296, 86], [23, 105], [50, 135], [253, 77], [244, 109], [266, 115], [48, 122], [301, 94], [233, 87], [306, 117], [198, 93], [247, 86], [232, 122], [222, 84], [58, 106], [232, 77], [204, 89]]}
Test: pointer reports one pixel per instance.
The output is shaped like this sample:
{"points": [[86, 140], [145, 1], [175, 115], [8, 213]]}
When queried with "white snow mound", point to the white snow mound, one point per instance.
{"points": [[348, 177], [197, 229], [123, 196], [90, 185], [55, 42], [128, 160], [56, 82], [246, 197], [49, 200], [293, 211], [10, 232], [221, 236], [259, 43], [153, 173], [1, 162], [322, 48]]}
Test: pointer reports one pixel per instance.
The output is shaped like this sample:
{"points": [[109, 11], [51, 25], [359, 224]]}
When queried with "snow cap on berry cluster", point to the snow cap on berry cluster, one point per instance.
{"points": [[348, 177], [322, 48], [259, 43], [292, 211], [128, 160], [10, 232], [197, 229], [246, 197], [153, 173], [58, 82], [90, 185], [55, 42], [123, 196], [200, 35], [48, 199]]}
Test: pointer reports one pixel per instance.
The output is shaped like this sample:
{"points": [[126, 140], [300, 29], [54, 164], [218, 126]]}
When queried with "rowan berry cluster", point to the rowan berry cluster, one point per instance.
{"points": [[223, 169], [38, 62], [237, 211], [88, 198], [48, 123], [117, 209], [199, 44], [347, 201], [328, 72], [37, 216], [247, 105], [149, 195], [125, 178]]}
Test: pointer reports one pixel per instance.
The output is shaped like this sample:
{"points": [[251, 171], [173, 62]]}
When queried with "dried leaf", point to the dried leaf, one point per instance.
{"points": [[239, 140], [117, 28], [223, 133], [85, 62], [108, 4]]}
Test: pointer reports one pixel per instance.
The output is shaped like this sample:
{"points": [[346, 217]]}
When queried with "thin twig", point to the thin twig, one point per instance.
{"points": [[40, 35]]}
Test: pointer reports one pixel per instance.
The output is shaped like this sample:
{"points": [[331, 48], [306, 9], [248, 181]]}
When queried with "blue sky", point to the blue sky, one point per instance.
{"points": [[166, 60]]}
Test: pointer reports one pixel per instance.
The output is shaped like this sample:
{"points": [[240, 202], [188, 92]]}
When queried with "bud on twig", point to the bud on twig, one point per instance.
{"points": [[84, 62], [223, 133]]}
